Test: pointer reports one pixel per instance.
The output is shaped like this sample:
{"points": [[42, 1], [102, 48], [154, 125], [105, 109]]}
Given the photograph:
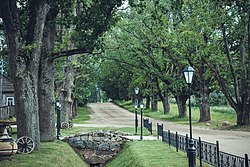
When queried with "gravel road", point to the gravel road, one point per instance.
{"points": [[110, 115]]}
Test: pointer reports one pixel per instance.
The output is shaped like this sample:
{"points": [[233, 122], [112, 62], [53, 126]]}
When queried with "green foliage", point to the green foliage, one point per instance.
{"points": [[217, 99], [26, 50], [94, 18], [114, 79]]}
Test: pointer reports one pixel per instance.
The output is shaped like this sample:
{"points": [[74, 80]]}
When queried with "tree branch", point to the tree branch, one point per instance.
{"points": [[234, 76], [65, 53]]}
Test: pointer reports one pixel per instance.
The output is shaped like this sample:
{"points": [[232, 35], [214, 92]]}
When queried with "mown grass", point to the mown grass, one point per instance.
{"points": [[137, 153], [52, 154], [82, 116], [218, 115], [149, 154]]}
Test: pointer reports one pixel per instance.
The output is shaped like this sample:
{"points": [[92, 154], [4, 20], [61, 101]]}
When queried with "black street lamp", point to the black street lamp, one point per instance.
{"points": [[188, 74], [141, 106], [58, 125], [136, 104]]}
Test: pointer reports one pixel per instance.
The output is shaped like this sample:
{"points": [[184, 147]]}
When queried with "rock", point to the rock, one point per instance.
{"points": [[103, 147], [79, 144], [97, 147], [100, 134], [226, 123], [91, 145], [105, 140], [115, 146]]}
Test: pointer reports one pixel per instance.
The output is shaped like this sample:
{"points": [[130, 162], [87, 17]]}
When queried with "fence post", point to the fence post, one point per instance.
{"points": [[246, 160], [176, 142], [169, 139], [151, 128], [200, 151], [187, 144], [162, 132], [218, 153], [157, 131]]}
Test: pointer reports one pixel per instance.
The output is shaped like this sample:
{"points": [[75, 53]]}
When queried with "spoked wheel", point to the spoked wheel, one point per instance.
{"points": [[25, 145], [64, 125]]}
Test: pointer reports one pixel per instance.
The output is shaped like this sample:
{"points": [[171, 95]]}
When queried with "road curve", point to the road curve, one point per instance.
{"points": [[110, 115]]}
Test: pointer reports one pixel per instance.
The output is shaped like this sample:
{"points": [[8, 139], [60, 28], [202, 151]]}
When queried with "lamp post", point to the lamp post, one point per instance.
{"points": [[141, 106], [188, 74], [58, 108], [135, 105]]}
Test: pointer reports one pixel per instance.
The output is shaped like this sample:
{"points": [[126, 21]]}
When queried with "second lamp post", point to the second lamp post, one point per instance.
{"points": [[136, 104], [141, 106], [188, 74], [58, 108]]}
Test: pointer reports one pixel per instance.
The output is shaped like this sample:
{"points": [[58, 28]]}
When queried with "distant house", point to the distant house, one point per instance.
{"points": [[7, 100], [7, 92]]}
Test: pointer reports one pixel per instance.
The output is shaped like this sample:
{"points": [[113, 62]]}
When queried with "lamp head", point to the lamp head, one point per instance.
{"points": [[137, 90], [141, 104], [135, 105], [188, 74], [58, 104]]}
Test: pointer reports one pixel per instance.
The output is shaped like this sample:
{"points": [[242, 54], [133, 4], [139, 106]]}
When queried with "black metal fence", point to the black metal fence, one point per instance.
{"points": [[148, 125], [205, 151]]}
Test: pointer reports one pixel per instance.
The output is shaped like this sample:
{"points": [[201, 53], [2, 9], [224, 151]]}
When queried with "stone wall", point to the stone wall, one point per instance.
{"points": [[97, 147]]}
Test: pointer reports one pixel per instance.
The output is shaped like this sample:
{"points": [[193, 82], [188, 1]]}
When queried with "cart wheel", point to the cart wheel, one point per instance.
{"points": [[64, 125], [25, 145]]}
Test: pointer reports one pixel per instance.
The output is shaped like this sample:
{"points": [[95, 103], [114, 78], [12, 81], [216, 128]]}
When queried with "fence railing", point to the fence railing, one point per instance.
{"points": [[205, 151], [148, 125], [7, 112]]}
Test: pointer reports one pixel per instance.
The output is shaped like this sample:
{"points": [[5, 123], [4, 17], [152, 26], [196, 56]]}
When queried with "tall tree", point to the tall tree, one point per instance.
{"points": [[234, 71], [31, 49], [24, 60]]}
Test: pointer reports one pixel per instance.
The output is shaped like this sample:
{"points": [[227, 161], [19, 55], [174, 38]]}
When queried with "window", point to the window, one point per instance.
{"points": [[10, 101]]}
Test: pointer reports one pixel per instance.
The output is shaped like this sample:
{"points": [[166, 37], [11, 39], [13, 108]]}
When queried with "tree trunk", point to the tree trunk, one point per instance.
{"points": [[67, 89], [25, 65], [181, 104], [148, 101], [47, 101], [204, 104], [203, 94], [165, 103], [243, 117], [46, 81], [74, 108], [154, 102]]}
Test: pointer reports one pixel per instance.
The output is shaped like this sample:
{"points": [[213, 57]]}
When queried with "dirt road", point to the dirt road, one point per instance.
{"points": [[110, 115]]}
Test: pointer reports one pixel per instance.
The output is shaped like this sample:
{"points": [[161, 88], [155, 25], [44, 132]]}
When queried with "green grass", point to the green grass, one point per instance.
{"points": [[149, 154], [137, 153], [83, 115], [52, 154], [218, 115]]}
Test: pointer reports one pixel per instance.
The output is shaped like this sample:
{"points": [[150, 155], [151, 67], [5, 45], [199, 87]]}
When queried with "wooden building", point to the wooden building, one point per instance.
{"points": [[7, 98]]}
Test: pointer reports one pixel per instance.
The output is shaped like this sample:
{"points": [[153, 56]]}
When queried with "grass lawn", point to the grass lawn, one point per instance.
{"points": [[83, 115], [218, 115], [137, 153], [149, 154], [52, 154]]}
